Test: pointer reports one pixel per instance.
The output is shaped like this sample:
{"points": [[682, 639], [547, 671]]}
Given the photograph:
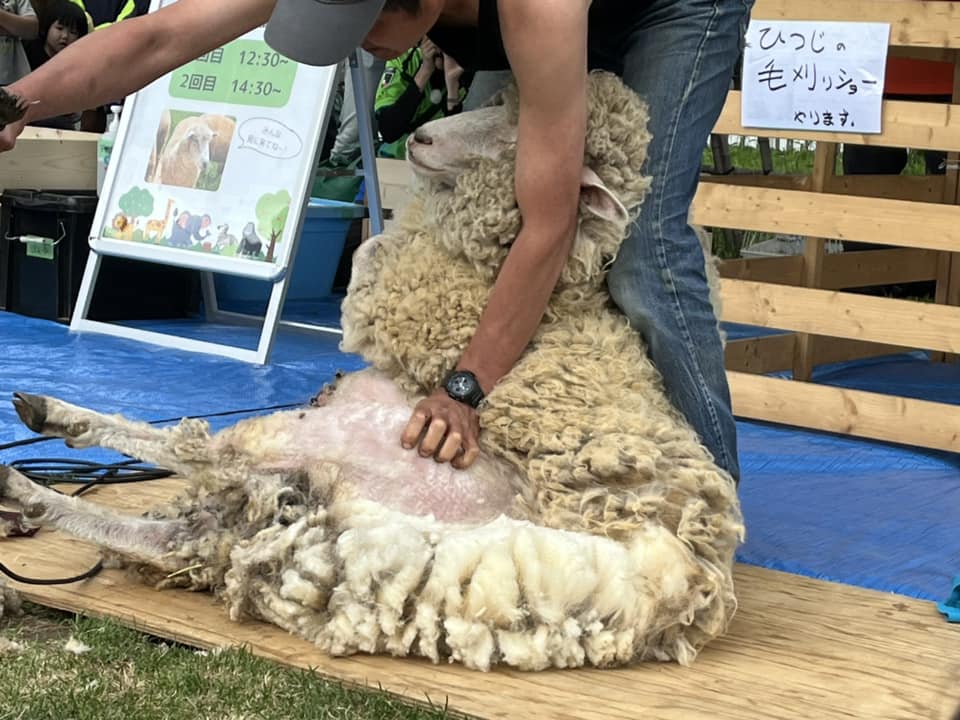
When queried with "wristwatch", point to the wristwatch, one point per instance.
{"points": [[462, 386]]}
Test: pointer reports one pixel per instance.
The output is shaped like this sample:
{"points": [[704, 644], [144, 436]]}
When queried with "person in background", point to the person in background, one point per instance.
{"points": [[419, 86], [18, 22], [61, 24], [107, 12]]}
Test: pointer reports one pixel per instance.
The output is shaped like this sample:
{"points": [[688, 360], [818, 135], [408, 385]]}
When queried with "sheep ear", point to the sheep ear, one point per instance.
{"points": [[597, 199]]}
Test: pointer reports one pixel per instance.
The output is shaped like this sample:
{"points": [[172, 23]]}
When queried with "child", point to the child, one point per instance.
{"points": [[61, 24]]}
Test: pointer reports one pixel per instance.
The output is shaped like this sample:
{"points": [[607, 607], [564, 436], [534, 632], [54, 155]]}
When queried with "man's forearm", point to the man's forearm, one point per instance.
{"points": [[76, 79], [516, 305], [22, 26]]}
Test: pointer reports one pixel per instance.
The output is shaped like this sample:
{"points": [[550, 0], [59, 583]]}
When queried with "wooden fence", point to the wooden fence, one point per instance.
{"points": [[808, 296]]}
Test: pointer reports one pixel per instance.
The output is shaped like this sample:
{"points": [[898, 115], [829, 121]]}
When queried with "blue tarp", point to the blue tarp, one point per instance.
{"points": [[863, 513]]}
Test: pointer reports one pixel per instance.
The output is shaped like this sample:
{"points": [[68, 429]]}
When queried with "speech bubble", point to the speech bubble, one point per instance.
{"points": [[269, 137]]}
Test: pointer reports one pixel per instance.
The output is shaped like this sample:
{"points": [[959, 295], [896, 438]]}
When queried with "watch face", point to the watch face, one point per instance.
{"points": [[460, 385]]}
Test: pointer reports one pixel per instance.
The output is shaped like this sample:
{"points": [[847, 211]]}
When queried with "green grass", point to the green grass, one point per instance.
{"points": [[130, 675]]}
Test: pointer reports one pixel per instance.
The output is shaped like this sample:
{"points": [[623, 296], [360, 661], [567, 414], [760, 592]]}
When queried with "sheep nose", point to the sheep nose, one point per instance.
{"points": [[422, 137]]}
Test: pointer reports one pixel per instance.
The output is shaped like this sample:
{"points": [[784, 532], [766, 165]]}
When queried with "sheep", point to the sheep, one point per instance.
{"points": [[594, 529], [186, 154]]}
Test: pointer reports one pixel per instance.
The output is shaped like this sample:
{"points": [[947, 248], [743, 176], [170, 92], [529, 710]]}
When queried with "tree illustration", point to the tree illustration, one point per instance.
{"points": [[136, 202], [272, 211]]}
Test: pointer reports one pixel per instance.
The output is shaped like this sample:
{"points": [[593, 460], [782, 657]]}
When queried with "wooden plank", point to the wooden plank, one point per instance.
{"points": [[828, 312], [395, 178], [787, 182], [913, 23], [840, 270], [878, 267], [45, 159], [767, 354], [775, 353], [920, 188], [814, 249], [785, 269], [798, 648], [849, 412], [844, 217], [921, 126]]}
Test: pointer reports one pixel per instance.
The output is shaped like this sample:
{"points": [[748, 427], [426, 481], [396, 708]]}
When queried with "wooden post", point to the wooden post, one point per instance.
{"points": [[948, 269], [824, 163]]}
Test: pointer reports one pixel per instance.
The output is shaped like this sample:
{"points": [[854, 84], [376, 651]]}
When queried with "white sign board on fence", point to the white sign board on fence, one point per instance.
{"points": [[215, 162], [813, 75]]}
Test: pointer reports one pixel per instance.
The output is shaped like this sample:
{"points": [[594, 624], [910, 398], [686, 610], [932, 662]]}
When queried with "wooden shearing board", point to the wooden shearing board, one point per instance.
{"points": [[798, 647]]}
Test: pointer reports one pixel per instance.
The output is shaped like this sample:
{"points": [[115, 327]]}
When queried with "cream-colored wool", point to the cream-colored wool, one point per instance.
{"points": [[618, 546], [9, 600], [583, 414]]}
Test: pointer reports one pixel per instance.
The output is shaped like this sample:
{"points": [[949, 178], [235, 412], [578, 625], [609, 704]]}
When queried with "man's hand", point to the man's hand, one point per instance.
{"points": [[9, 135], [445, 429], [452, 72]]}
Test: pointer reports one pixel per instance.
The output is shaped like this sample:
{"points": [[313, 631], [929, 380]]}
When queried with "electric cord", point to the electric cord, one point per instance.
{"points": [[87, 475]]}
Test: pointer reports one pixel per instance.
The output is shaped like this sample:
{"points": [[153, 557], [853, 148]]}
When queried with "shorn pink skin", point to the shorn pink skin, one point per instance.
{"points": [[357, 428]]}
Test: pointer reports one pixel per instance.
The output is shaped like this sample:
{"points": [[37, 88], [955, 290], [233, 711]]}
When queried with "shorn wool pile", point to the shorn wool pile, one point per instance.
{"points": [[595, 529]]}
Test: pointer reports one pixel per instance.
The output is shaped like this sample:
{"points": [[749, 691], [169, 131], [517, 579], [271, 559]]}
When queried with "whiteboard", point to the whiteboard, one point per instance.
{"points": [[213, 163]]}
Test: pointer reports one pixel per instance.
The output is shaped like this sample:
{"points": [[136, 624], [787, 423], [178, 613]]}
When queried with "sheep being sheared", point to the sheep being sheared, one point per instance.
{"points": [[594, 528]]}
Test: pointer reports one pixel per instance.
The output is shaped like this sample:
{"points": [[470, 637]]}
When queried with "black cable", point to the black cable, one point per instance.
{"points": [[51, 471], [51, 581]]}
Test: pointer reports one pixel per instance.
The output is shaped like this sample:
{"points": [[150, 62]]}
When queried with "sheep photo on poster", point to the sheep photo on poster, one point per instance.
{"points": [[190, 149]]}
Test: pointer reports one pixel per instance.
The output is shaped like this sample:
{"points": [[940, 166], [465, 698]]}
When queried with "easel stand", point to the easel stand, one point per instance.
{"points": [[272, 319]]}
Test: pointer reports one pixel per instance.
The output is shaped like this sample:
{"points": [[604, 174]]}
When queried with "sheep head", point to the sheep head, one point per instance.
{"points": [[466, 163], [416, 294]]}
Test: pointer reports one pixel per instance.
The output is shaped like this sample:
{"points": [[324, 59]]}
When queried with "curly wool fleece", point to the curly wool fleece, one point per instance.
{"points": [[583, 414]]}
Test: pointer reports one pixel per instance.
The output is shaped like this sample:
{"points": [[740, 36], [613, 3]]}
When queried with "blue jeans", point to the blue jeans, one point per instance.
{"points": [[679, 56]]}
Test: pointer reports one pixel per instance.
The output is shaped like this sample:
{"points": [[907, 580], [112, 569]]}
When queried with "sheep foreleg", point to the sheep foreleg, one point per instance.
{"points": [[183, 448], [140, 539]]}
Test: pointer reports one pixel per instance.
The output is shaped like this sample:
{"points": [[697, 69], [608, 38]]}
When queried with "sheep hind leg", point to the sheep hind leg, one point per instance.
{"points": [[183, 448], [139, 539]]}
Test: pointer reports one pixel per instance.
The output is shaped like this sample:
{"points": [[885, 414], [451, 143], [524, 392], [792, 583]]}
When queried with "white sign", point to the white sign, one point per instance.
{"points": [[810, 75], [215, 160]]}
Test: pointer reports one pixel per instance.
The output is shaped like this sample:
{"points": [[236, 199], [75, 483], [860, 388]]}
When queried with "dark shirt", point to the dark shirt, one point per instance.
{"points": [[609, 23]]}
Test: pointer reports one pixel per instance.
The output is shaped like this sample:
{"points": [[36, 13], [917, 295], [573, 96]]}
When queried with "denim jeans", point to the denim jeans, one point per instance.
{"points": [[679, 56]]}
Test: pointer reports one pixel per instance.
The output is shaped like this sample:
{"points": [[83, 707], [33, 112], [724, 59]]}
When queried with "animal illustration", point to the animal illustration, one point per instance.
{"points": [[124, 226], [189, 229], [224, 238], [250, 243], [594, 529], [155, 228]]}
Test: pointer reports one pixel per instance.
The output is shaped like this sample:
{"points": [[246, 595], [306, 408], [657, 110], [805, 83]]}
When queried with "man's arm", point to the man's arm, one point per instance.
{"points": [[550, 67], [21, 26], [125, 57]]}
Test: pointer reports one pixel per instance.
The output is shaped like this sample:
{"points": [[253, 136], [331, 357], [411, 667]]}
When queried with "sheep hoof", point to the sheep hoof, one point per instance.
{"points": [[32, 410]]}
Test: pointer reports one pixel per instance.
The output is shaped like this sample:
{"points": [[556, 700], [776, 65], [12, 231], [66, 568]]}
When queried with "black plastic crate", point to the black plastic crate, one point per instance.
{"points": [[43, 279]]}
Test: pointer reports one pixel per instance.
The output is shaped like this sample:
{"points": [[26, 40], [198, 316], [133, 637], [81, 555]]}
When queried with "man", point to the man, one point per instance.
{"points": [[678, 54]]}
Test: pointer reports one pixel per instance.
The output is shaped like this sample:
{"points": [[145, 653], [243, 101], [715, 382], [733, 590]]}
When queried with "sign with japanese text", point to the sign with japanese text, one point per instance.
{"points": [[214, 161], [812, 75]]}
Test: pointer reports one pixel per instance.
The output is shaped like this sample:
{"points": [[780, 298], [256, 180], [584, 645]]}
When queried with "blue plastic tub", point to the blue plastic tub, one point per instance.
{"points": [[322, 239]]}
